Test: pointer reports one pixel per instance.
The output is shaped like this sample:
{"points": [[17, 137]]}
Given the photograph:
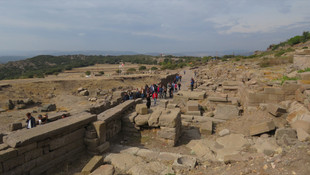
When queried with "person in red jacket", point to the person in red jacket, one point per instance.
{"points": [[155, 96]]}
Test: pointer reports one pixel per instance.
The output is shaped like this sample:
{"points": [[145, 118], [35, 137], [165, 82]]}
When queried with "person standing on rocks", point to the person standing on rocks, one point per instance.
{"points": [[148, 101], [155, 96], [31, 122], [192, 84]]}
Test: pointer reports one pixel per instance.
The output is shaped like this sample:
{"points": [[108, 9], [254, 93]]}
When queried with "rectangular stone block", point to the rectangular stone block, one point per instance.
{"points": [[141, 109], [167, 133], [15, 126], [7, 154], [192, 105], [262, 128], [206, 128], [12, 163], [66, 125], [26, 148], [170, 118], [226, 112], [92, 143], [163, 103], [273, 90], [94, 163], [91, 134], [218, 99], [276, 110], [171, 106], [33, 154], [305, 75], [100, 127], [69, 138], [232, 83]]}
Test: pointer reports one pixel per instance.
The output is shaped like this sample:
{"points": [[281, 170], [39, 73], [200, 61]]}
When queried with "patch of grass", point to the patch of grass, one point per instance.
{"points": [[305, 48], [305, 70], [286, 78], [268, 62]]}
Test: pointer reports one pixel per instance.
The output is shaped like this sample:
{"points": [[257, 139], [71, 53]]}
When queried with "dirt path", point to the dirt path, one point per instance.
{"points": [[186, 78]]}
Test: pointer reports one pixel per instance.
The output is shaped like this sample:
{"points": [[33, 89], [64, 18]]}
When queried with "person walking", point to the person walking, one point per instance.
{"points": [[192, 84], [155, 96], [148, 101]]}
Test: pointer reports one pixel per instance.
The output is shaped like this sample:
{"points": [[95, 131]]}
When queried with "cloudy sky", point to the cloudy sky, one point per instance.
{"points": [[149, 25]]}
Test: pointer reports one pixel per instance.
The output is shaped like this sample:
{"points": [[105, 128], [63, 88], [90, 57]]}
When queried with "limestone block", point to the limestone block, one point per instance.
{"points": [[141, 120], [289, 132], [103, 147], [104, 170], [167, 156], [12, 163], [218, 99], [170, 118], [141, 109], [262, 128], [15, 126], [91, 143], [69, 124], [194, 113], [301, 124], [154, 118], [226, 112], [61, 141], [192, 105], [232, 83], [100, 127], [276, 110], [33, 154], [305, 75], [184, 163], [206, 128], [172, 106], [224, 132], [94, 163], [122, 161], [163, 103], [91, 134], [303, 135], [148, 154], [192, 95], [274, 90], [168, 133], [7, 154]]}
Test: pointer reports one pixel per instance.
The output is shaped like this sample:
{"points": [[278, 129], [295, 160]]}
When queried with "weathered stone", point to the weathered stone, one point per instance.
{"points": [[122, 161], [48, 108], [15, 126], [192, 95], [286, 136], [233, 158], [7, 154], [168, 133], [206, 128], [141, 109], [184, 163], [147, 154], [172, 106], [84, 93], [103, 147], [24, 137], [192, 105], [91, 143], [141, 120], [303, 135], [170, 118], [305, 75], [94, 163], [224, 132], [69, 138], [226, 112], [167, 156], [12, 163], [154, 118], [163, 103], [100, 127], [301, 124], [104, 170], [275, 110], [30, 155], [267, 146], [262, 128], [91, 134]]}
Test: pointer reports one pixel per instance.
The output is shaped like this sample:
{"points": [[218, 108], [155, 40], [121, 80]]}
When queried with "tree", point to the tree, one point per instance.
{"points": [[142, 68], [154, 68]]}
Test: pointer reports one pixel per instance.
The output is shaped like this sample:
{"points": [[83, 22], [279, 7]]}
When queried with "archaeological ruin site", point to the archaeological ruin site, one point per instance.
{"points": [[240, 118]]}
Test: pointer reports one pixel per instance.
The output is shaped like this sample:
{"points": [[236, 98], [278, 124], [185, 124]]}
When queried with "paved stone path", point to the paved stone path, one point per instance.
{"points": [[186, 79]]}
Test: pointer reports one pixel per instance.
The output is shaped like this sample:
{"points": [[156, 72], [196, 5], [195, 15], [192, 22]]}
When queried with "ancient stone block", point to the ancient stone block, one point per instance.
{"points": [[13, 162], [104, 170], [24, 137], [91, 134], [103, 147], [15, 126], [61, 141], [224, 132], [163, 103], [192, 105], [30, 155], [302, 135], [7, 154], [276, 110], [172, 106], [94, 163], [301, 124], [274, 90], [154, 118], [141, 109], [26, 148], [168, 133], [141, 120], [206, 128], [226, 112], [170, 118], [92, 143], [262, 128], [305, 75], [100, 127], [289, 132]]}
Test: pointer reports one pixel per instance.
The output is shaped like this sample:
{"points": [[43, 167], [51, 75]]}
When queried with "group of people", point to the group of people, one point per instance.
{"points": [[32, 122], [155, 91]]}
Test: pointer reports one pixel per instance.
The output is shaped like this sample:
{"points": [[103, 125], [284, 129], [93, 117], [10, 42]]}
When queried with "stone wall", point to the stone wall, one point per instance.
{"points": [[39, 150], [302, 59]]}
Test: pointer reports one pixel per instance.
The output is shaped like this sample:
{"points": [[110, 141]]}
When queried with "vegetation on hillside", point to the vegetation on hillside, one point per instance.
{"points": [[43, 65], [292, 41]]}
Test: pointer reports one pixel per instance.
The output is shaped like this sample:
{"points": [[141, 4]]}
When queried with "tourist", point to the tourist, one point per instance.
{"points": [[155, 96], [192, 84], [171, 92], [148, 101], [179, 84], [31, 122], [165, 92], [161, 91], [39, 122], [45, 119], [176, 87], [64, 116], [184, 72]]}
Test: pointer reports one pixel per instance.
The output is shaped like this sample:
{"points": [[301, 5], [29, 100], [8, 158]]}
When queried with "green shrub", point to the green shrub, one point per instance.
{"points": [[101, 72], [131, 70], [142, 68], [305, 70], [305, 48], [87, 73], [154, 68], [279, 53], [285, 78], [118, 71]]}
